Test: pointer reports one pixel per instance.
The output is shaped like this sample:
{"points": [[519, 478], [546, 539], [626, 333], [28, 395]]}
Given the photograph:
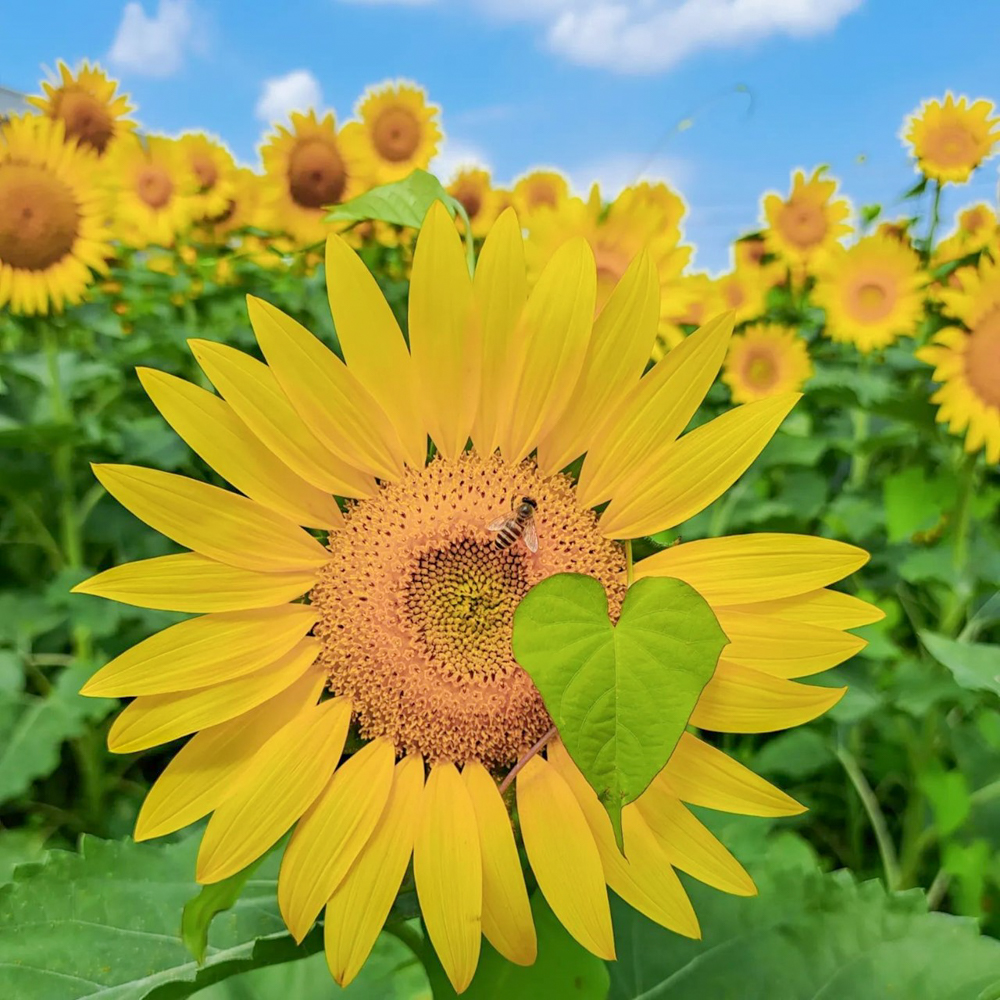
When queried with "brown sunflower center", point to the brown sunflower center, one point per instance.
{"points": [[205, 170], [316, 173], [154, 185], [470, 198], [734, 294], [396, 134], [952, 145], [802, 222], [416, 607], [86, 118], [541, 193], [973, 220], [39, 217], [871, 300], [761, 370], [982, 358]]}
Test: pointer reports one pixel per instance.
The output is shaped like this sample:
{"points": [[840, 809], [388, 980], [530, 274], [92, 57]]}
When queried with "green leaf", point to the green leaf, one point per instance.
{"points": [[917, 190], [913, 503], [948, 794], [974, 665], [621, 695], [401, 203], [213, 899]]}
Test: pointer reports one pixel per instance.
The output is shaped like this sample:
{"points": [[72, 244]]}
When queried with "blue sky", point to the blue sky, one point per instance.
{"points": [[593, 86]]}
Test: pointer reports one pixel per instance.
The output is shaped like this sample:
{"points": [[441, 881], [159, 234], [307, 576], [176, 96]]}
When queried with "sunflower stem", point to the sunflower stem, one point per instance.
{"points": [[935, 218], [958, 599]]}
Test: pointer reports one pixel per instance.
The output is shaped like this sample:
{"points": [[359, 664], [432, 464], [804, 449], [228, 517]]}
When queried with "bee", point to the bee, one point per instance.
{"points": [[519, 523]]}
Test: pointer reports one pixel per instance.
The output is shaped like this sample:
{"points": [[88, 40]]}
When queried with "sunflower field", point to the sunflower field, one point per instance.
{"points": [[414, 587]]}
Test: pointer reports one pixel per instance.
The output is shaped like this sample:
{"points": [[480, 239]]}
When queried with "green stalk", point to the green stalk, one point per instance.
{"points": [[958, 601], [935, 218]]}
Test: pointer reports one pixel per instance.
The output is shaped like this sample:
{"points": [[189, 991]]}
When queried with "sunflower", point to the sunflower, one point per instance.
{"points": [[309, 168], [967, 361], [872, 293], [809, 222], [764, 361], [976, 228], [400, 129], [87, 105], [406, 634], [951, 138], [213, 174], [472, 189], [539, 189], [154, 190], [744, 291], [53, 232]]}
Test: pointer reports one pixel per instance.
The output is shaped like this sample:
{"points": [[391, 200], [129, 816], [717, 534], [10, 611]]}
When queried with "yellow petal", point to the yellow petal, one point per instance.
{"points": [[689, 844], [500, 288], [553, 335], [646, 881], [331, 835], [253, 392], [332, 402], [204, 771], [373, 345], [193, 583], [698, 469], [745, 569], [212, 521], [617, 353], [159, 718], [203, 651], [650, 417], [784, 648], [223, 441], [275, 789], [448, 871], [740, 700], [358, 907], [830, 608], [704, 776], [507, 923], [564, 856], [445, 342]]}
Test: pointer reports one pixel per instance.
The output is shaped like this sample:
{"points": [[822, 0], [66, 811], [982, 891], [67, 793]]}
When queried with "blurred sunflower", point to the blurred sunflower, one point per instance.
{"points": [[809, 222], [744, 291], [409, 621], [472, 188], [53, 230], [400, 129], [896, 229], [766, 360], [153, 190], [243, 206], [872, 293], [213, 172], [951, 138], [967, 361], [309, 168], [87, 105], [539, 189], [976, 228]]}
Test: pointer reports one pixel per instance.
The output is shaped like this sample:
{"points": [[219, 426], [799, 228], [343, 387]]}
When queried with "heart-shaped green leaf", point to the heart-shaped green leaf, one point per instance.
{"points": [[620, 695]]}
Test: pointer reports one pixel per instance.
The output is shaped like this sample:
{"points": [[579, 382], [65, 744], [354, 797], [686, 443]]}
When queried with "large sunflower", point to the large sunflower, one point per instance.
{"points": [[807, 223], [765, 361], [154, 190], [967, 361], [213, 174], [951, 138], [309, 168], [400, 128], [872, 293], [407, 628], [53, 231], [87, 105]]}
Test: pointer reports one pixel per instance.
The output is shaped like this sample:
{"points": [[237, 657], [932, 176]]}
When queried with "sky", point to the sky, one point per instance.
{"points": [[722, 98]]}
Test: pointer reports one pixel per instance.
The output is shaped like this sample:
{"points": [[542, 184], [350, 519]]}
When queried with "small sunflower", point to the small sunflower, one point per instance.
{"points": [[309, 168], [243, 207], [213, 174], [406, 635], [400, 128], [967, 361], [950, 138], [809, 222], [976, 228], [154, 190], [87, 105], [764, 361], [872, 293], [539, 189], [472, 188], [744, 291], [53, 210]]}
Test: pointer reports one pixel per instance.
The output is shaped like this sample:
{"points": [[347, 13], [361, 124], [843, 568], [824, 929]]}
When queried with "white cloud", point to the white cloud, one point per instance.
{"points": [[153, 45], [280, 95], [619, 170], [455, 154]]}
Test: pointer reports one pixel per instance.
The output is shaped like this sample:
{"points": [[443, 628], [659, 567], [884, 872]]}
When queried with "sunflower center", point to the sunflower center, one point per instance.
{"points": [[542, 194], [760, 370], [973, 220], [86, 118], [39, 217], [396, 134], [316, 173], [154, 186], [417, 605], [205, 170], [952, 145], [734, 294], [471, 199], [982, 358], [872, 301], [803, 222]]}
